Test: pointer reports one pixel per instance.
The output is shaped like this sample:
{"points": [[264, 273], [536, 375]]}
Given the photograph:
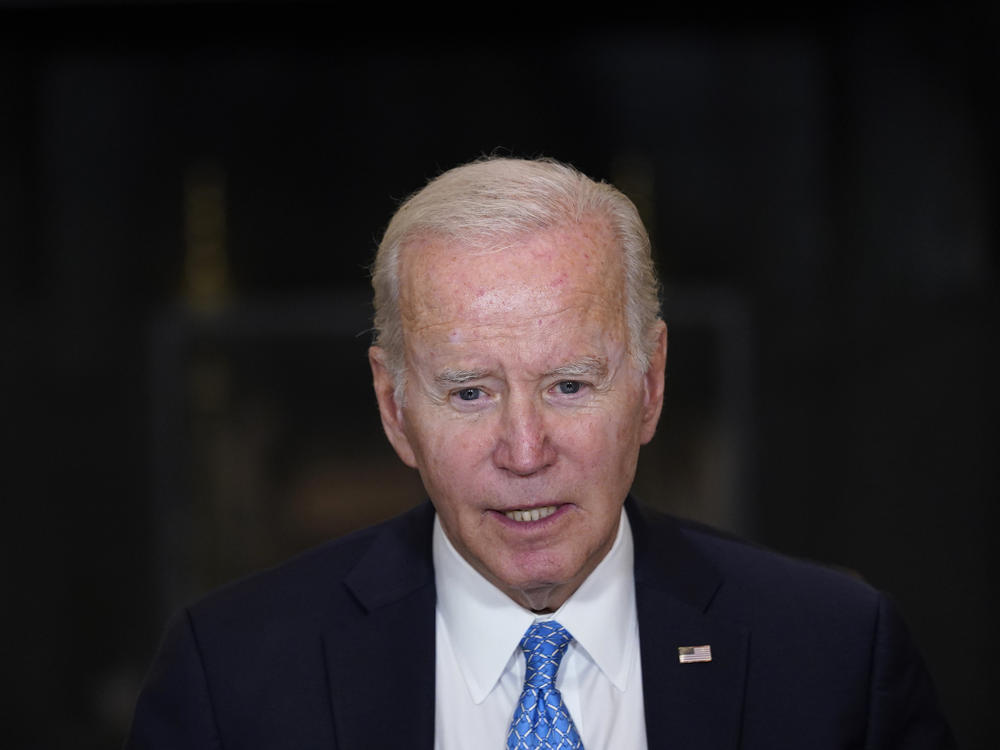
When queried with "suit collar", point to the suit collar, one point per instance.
{"points": [[666, 561], [381, 660], [695, 705], [397, 563], [399, 560]]}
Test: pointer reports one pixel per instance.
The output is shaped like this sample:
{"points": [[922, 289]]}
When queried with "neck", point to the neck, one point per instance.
{"points": [[542, 600]]}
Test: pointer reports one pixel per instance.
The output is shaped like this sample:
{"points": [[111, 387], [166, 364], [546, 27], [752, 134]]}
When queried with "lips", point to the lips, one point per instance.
{"points": [[534, 514]]}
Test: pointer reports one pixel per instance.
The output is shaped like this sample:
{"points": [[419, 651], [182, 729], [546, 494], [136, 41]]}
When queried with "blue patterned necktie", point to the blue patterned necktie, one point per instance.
{"points": [[541, 719]]}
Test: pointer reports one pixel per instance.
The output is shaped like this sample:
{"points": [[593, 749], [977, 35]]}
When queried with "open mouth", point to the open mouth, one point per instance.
{"points": [[535, 514]]}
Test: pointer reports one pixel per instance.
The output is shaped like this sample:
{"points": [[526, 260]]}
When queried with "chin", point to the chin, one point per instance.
{"points": [[536, 585], [547, 598]]}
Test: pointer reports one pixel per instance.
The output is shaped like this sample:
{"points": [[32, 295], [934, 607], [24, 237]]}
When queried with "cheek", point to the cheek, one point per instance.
{"points": [[451, 455], [603, 446]]}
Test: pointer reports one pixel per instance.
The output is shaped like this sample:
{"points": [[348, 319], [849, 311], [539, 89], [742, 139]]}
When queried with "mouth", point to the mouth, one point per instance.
{"points": [[532, 514]]}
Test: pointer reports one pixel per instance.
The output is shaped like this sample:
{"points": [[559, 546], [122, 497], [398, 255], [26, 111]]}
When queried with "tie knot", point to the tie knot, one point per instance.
{"points": [[544, 644]]}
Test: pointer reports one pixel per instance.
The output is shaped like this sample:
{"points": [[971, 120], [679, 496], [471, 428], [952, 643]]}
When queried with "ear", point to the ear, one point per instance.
{"points": [[653, 384], [392, 412]]}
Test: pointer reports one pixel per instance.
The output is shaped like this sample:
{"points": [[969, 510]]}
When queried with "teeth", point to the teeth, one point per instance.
{"points": [[534, 514]]}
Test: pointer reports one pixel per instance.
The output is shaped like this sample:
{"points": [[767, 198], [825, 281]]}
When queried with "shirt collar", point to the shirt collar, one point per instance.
{"points": [[485, 626]]}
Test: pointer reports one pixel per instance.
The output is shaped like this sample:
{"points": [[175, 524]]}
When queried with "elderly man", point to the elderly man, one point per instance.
{"points": [[519, 366]]}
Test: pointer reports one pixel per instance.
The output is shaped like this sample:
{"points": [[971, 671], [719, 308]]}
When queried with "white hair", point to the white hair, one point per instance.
{"points": [[492, 202]]}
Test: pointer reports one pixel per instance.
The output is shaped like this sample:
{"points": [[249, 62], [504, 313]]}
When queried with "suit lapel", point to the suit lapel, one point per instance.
{"points": [[381, 661], [687, 705]]}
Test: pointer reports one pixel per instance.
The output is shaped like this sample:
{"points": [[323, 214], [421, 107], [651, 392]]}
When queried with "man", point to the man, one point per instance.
{"points": [[519, 365]]}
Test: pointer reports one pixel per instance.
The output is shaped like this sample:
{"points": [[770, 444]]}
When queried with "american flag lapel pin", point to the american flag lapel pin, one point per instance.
{"points": [[692, 654]]}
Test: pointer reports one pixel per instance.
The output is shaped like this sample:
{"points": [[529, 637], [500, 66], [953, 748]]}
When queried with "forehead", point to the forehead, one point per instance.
{"points": [[579, 266]]}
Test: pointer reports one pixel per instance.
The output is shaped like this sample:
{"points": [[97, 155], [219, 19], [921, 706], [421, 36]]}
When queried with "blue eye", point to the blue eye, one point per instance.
{"points": [[569, 387], [469, 394]]}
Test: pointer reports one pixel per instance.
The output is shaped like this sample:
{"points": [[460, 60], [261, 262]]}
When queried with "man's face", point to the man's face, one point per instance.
{"points": [[523, 411]]}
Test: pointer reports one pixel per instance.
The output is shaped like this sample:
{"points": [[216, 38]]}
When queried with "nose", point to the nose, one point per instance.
{"points": [[524, 446]]}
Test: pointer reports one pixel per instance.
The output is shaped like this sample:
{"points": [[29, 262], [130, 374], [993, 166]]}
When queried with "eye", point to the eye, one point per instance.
{"points": [[569, 387], [469, 394]]}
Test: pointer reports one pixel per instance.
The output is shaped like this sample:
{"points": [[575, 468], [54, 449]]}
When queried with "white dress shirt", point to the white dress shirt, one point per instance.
{"points": [[480, 667]]}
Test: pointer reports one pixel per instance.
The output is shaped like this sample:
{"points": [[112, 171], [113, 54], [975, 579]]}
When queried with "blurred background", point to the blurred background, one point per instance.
{"points": [[190, 195]]}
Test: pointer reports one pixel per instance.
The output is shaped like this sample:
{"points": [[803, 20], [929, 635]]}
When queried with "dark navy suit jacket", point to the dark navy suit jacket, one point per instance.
{"points": [[335, 649]]}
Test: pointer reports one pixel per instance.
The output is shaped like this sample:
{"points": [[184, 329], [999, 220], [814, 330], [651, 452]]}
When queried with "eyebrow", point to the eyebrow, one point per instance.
{"points": [[593, 367], [458, 377]]}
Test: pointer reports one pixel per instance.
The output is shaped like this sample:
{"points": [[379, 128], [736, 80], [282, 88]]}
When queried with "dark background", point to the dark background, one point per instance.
{"points": [[189, 197]]}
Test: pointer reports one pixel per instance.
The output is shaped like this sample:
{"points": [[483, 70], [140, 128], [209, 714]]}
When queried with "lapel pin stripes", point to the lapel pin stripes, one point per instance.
{"points": [[692, 654]]}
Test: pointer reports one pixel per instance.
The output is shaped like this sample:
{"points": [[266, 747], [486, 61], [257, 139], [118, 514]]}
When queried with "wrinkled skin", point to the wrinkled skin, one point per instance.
{"points": [[520, 394]]}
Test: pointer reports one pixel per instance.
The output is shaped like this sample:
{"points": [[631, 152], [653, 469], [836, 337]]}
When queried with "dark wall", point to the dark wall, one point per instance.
{"points": [[189, 196]]}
